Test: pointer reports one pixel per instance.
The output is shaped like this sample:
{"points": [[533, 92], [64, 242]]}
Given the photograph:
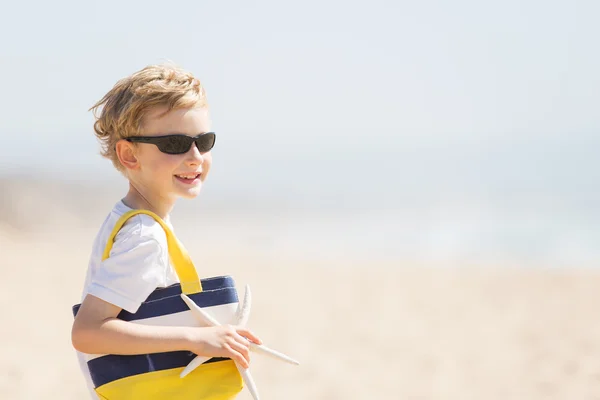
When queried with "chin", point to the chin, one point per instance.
{"points": [[187, 191], [191, 193]]}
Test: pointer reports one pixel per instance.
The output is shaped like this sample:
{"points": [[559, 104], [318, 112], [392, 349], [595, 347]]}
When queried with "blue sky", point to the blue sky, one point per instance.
{"points": [[422, 94]]}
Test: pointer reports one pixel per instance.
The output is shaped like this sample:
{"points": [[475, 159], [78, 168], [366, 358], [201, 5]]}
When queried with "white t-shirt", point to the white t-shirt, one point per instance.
{"points": [[137, 265]]}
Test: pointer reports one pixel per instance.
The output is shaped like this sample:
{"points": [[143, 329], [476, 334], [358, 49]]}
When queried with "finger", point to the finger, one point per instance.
{"points": [[241, 339], [249, 335], [242, 346], [237, 356], [234, 335]]}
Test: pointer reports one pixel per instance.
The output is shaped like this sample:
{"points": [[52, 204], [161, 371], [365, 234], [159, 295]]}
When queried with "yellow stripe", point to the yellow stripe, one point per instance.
{"points": [[184, 267], [213, 381]]}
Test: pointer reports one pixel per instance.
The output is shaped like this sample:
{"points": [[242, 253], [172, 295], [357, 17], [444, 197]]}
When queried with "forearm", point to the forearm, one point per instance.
{"points": [[110, 335], [114, 336]]}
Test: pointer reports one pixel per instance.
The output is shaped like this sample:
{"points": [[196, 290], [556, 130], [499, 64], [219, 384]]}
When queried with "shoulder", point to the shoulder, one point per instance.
{"points": [[143, 225], [137, 263], [140, 229]]}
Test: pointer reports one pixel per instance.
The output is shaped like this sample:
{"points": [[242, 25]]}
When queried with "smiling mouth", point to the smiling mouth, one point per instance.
{"points": [[188, 176]]}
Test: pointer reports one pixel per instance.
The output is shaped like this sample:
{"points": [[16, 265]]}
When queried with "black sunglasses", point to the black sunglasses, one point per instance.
{"points": [[178, 143]]}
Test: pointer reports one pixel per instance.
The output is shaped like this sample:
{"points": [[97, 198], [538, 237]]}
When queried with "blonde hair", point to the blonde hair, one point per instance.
{"points": [[126, 104]]}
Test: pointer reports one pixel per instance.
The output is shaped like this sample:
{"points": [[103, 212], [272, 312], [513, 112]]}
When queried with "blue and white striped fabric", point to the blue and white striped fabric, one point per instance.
{"points": [[164, 307]]}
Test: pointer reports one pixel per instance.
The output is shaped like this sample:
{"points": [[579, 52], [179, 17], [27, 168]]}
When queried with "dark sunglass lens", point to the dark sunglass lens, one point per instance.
{"points": [[205, 142], [175, 144]]}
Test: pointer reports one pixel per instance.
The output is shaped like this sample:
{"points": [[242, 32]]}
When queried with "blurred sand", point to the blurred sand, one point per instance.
{"points": [[388, 331]]}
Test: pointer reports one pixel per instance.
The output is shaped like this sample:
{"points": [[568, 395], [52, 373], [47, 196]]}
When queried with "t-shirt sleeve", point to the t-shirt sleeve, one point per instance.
{"points": [[137, 264]]}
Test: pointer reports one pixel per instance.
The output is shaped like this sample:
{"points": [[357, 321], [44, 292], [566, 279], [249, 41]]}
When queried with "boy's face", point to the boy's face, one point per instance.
{"points": [[169, 176]]}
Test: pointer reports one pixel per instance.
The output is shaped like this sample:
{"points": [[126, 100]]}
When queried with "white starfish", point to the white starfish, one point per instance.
{"points": [[242, 314]]}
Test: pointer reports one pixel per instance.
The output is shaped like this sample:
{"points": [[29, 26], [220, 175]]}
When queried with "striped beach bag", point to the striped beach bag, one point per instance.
{"points": [[156, 376]]}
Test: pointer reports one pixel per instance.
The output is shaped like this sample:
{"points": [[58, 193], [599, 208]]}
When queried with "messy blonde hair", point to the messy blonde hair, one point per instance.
{"points": [[126, 104]]}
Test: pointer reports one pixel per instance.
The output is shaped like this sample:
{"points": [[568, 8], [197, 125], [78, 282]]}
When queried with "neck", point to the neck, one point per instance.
{"points": [[140, 199]]}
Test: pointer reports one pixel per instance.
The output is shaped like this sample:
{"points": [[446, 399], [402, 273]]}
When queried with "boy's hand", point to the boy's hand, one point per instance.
{"points": [[223, 341]]}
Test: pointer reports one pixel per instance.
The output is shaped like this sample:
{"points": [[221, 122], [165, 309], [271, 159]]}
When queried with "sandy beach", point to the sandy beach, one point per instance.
{"points": [[410, 188], [384, 330]]}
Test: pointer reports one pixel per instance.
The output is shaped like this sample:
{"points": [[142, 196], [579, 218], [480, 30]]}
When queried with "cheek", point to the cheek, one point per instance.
{"points": [[159, 164], [206, 163]]}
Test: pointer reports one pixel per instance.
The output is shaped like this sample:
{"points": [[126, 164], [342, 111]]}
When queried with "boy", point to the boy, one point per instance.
{"points": [[146, 127]]}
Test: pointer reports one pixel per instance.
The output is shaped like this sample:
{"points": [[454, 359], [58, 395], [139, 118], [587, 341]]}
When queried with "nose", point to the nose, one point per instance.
{"points": [[193, 156]]}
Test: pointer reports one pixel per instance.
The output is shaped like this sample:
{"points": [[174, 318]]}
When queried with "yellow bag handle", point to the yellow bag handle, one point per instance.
{"points": [[184, 267]]}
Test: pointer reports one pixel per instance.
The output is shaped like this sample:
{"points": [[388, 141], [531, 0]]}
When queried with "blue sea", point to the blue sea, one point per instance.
{"points": [[532, 201]]}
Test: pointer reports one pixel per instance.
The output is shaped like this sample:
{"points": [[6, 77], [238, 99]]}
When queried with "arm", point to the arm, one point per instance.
{"points": [[96, 330]]}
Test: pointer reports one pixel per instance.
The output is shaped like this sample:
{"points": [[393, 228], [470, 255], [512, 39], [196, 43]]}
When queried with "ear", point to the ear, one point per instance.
{"points": [[127, 155]]}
